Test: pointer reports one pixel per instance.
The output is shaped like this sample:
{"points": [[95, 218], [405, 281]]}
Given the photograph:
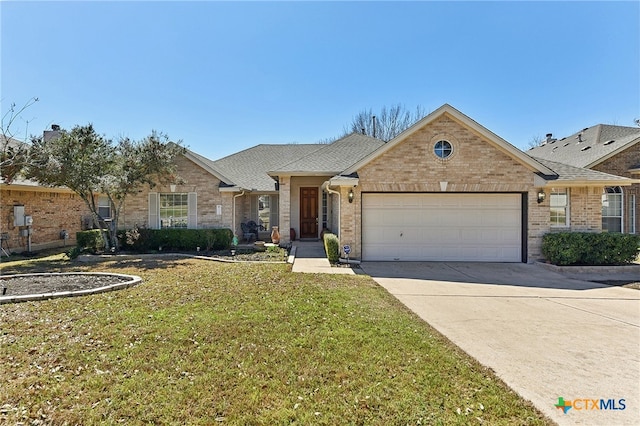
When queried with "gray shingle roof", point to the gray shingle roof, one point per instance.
{"points": [[331, 159], [588, 146], [569, 174], [248, 169]]}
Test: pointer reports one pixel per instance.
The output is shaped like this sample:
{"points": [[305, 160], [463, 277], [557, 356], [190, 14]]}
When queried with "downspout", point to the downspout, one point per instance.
{"points": [[234, 211], [325, 186]]}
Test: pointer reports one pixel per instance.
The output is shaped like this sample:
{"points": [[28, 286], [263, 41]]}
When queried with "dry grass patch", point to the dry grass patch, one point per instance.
{"points": [[200, 342]]}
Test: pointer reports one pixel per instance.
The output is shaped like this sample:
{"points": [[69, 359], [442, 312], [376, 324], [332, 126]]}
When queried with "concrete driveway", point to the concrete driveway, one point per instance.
{"points": [[545, 335]]}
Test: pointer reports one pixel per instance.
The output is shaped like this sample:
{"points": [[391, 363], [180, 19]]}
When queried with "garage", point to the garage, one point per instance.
{"points": [[473, 227]]}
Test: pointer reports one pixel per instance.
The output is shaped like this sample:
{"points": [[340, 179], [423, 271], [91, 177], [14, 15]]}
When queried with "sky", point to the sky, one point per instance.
{"points": [[225, 76]]}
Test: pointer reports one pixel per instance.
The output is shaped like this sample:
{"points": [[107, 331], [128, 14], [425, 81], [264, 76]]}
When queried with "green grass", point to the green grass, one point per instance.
{"points": [[203, 342]]}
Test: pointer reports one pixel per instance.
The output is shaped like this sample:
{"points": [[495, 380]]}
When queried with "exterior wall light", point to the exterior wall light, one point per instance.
{"points": [[350, 196], [541, 196]]}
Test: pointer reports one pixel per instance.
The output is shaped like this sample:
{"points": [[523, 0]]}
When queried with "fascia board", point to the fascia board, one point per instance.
{"points": [[205, 166]]}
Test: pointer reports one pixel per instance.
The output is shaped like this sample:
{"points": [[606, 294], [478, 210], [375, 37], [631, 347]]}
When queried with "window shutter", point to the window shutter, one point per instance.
{"points": [[192, 202], [154, 211]]}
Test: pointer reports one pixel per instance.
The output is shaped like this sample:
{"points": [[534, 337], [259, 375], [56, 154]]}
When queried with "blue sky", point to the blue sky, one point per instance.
{"points": [[224, 76]]}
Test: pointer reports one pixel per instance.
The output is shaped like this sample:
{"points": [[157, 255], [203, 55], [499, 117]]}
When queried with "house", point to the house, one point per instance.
{"points": [[446, 189], [610, 149], [35, 217]]}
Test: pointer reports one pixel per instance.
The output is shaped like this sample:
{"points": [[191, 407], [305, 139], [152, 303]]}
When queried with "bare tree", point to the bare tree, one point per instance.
{"points": [[535, 142], [15, 153], [387, 124]]}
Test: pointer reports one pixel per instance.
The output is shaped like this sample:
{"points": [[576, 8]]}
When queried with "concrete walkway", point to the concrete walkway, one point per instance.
{"points": [[547, 336], [309, 257]]}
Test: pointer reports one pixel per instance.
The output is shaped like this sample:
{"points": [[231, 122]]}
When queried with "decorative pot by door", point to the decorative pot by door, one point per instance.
{"points": [[275, 235]]}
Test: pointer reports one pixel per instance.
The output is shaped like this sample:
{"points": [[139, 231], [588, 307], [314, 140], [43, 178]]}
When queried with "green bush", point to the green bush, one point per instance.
{"points": [[90, 240], [174, 239], [584, 248], [332, 247]]}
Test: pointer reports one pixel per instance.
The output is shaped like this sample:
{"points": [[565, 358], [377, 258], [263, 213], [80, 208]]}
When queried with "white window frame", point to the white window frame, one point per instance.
{"points": [[103, 203], [553, 197], [262, 224], [613, 191]]}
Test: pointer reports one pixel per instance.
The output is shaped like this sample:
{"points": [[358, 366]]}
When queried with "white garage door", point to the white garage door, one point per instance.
{"points": [[442, 227]]}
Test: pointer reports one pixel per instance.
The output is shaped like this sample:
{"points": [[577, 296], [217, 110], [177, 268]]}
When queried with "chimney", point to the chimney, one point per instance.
{"points": [[54, 133]]}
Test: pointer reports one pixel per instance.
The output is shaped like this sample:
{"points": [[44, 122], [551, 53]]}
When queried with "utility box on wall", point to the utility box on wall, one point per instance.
{"points": [[18, 216]]}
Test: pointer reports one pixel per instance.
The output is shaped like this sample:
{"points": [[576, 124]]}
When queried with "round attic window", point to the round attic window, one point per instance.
{"points": [[443, 149]]}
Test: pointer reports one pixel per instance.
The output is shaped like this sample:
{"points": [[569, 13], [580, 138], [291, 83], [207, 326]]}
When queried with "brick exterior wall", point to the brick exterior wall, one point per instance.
{"points": [[196, 179], [475, 166], [52, 211], [619, 165]]}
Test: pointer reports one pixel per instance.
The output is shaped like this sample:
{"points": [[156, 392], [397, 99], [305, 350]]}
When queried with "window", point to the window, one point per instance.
{"points": [[264, 212], [559, 202], [443, 149], [174, 210], [104, 208], [325, 210], [612, 209]]}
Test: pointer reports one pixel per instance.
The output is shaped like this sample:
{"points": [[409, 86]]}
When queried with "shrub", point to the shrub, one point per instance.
{"points": [[143, 240], [90, 240], [584, 248], [332, 247]]}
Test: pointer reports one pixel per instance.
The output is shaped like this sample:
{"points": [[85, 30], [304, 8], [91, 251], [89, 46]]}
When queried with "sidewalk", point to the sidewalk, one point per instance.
{"points": [[309, 257]]}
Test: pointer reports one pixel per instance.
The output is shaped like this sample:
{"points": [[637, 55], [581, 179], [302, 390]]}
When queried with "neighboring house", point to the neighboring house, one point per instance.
{"points": [[52, 212], [446, 189], [609, 149]]}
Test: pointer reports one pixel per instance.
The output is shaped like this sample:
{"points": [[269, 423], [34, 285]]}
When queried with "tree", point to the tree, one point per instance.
{"points": [[91, 165], [15, 154], [387, 124], [535, 142]]}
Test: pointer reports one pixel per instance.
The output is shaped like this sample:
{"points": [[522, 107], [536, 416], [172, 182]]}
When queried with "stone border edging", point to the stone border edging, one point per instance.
{"points": [[133, 280], [86, 258]]}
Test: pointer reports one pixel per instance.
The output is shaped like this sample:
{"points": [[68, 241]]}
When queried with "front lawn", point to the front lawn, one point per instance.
{"points": [[202, 342]]}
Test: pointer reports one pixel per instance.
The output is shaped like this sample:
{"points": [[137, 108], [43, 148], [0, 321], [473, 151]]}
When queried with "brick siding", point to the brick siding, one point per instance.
{"points": [[619, 165], [196, 179], [53, 211]]}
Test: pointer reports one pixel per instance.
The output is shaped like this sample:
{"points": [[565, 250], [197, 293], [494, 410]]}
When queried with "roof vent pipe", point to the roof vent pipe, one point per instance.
{"points": [[373, 118], [55, 127]]}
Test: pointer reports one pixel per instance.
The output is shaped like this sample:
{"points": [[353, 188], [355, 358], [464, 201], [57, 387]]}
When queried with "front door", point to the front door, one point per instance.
{"points": [[308, 212]]}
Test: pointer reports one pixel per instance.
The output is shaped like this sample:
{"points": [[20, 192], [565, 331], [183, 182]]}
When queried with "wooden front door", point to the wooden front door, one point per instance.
{"points": [[308, 212]]}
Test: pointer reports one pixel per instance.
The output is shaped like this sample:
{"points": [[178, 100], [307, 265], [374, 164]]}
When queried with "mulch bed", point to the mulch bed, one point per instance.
{"points": [[55, 283]]}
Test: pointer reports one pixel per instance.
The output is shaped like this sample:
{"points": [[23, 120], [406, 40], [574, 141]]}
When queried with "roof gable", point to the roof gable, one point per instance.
{"points": [[465, 121]]}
